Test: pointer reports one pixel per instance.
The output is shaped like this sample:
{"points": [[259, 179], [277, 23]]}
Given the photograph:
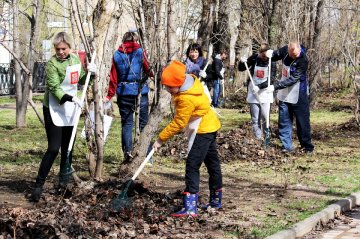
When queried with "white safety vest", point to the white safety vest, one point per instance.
{"points": [[261, 74], [64, 115], [289, 94]]}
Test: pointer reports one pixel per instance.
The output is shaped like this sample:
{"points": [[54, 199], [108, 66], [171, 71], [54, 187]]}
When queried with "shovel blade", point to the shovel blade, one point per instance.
{"points": [[267, 137], [122, 202]]}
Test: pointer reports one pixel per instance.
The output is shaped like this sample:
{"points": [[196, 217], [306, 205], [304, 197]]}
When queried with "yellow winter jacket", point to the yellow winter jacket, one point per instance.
{"points": [[191, 103]]}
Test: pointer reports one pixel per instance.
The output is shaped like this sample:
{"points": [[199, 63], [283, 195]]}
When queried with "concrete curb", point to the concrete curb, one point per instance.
{"points": [[301, 228]]}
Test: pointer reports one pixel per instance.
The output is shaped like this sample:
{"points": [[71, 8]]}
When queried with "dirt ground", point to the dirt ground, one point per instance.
{"points": [[85, 212]]}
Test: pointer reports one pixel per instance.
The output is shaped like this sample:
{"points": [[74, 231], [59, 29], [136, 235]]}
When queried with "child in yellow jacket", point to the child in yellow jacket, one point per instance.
{"points": [[192, 107]]}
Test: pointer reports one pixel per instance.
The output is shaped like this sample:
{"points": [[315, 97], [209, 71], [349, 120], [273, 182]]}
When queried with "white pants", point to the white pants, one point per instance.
{"points": [[258, 114]]}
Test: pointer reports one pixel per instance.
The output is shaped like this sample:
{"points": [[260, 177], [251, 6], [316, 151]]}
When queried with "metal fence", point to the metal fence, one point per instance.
{"points": [[7, 78]]}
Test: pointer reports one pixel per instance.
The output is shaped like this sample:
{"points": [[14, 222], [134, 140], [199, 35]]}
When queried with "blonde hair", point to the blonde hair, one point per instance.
{"points": [[62, 37]]}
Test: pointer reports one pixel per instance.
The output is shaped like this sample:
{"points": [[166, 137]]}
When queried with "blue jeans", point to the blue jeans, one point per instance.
{"points": [[127, 107], [216, 93], [301, 112]]}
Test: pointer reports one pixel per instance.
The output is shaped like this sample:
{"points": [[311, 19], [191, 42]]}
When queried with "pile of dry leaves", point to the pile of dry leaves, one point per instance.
{"points": [[236, 144], [87, 214]]}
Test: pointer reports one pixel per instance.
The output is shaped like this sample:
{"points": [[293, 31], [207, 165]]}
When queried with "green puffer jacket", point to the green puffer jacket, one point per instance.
{"points": [[55, 75]]}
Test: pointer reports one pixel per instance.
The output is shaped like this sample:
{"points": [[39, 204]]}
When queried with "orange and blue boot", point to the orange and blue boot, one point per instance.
{"points": [[215, 199], [190, 206]]}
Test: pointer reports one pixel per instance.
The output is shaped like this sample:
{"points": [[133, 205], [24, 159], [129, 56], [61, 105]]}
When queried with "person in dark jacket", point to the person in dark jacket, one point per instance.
{"points": [[215, 76], [292, 95], [128, 77], [258, 65], [195, 62]]}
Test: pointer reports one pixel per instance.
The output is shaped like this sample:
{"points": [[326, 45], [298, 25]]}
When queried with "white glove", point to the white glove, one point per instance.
{"points": [[269, 53], [255, 89], [270, 89], [202, 74], [77, 101], [222, 81], [243, 59], [91, 67]]}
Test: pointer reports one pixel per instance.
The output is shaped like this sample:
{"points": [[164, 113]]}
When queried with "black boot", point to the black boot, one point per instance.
{"points": [[36, 194], [65, 175]]}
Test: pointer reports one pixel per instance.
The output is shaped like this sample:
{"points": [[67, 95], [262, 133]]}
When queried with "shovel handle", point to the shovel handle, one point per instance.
{"points": [[78, 110], [252, 81], [142, 165], [268, 113]]}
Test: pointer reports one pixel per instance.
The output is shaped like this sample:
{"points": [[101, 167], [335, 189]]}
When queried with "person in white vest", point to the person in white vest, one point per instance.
{"points": [[258, 65], [292, 95], [63, 72]]}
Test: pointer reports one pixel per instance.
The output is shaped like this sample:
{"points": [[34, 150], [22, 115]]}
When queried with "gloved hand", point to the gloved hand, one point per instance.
{"points": [[157, 145], [77, 102], [270, 89], [243, 59], [222, 81], [269, 53], [91, 67], [255, 89], [202, 74]]}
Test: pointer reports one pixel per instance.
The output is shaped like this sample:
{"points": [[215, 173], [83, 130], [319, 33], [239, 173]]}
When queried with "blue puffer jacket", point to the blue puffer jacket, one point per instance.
{"points": [[128, 71]]}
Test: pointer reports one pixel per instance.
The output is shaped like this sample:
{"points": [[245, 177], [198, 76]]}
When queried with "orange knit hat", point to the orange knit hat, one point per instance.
{"points": [[174, 74]]}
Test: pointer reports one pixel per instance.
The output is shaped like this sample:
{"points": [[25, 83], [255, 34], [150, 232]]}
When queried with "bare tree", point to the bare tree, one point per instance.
{"points": [[23, 82]]}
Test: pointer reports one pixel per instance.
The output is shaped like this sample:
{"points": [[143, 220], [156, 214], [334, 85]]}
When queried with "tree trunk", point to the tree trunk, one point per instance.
{"points": [[20, 111], [234, 24], [171, 31], [316, 59], [206, 23], [103, 21], [105, 25]]}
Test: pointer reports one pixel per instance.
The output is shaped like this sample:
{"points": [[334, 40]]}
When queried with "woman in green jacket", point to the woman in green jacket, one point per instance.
{"points": [[63, 73]]}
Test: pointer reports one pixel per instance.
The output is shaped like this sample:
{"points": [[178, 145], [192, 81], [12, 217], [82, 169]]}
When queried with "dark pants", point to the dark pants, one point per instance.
{"points": [[203, 150], [57, 137], [127, 106], [301, 112]]}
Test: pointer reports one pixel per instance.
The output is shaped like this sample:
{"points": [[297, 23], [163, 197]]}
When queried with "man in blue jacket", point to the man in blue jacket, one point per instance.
{"points": [[292, 95]]}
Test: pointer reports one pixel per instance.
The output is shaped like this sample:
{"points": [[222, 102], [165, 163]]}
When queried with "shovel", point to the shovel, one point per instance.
{"points": [[267, 129], [122, 200], [68, 169]]}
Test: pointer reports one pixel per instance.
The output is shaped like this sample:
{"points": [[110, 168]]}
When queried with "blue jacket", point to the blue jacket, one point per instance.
{"points": [[128, 71]]}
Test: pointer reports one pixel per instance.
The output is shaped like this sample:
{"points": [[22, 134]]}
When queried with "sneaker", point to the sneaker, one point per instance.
{"points": [[286, 151], [309, 152]]}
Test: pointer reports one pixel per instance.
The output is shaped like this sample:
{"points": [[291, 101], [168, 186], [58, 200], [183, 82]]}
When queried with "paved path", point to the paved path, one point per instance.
{"points": [[345, 227]]}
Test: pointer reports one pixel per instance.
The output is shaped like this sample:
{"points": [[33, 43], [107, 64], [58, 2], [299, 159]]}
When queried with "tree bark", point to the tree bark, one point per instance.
{"points": [[206, 23], [316, 59], [171, 31]]}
